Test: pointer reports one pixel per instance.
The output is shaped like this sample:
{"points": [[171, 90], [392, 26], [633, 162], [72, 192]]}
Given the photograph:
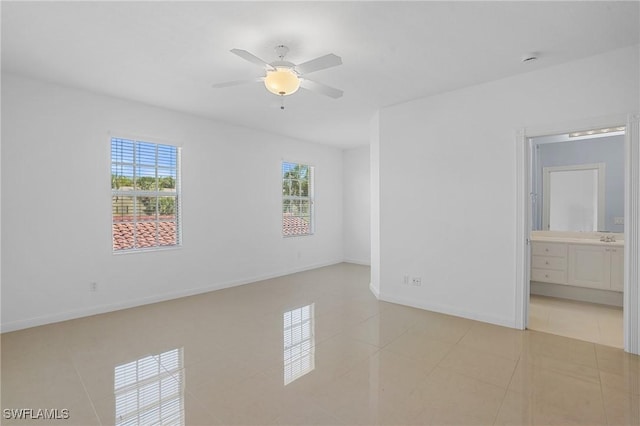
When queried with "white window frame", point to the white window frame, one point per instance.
{"points": [[309, 198], [157, 193]]}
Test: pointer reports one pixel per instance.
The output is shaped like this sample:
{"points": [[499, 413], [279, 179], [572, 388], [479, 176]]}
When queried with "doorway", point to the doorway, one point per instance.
{"points": [[578, 193], [526, 215]]}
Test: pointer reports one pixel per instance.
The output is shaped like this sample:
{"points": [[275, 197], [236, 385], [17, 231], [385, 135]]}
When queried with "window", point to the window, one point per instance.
{"points": [[297, 199], [145, 190]]}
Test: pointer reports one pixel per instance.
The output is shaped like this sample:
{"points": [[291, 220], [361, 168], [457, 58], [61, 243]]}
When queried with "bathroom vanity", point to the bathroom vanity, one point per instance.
{"points": [[587, 266]]}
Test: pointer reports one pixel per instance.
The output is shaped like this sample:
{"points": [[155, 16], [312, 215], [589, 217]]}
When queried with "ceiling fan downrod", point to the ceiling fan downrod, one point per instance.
{"points": [[281, 51]]}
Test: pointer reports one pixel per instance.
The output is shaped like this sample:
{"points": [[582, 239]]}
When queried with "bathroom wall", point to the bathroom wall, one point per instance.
{"points": [[608, 150]]}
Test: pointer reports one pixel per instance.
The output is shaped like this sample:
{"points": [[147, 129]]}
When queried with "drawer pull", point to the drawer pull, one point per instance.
{"points": [[546, 262], [546, 249], [546, 275]]}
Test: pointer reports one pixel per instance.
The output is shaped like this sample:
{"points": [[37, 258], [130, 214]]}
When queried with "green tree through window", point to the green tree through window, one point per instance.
{"points": [[297, 199]]}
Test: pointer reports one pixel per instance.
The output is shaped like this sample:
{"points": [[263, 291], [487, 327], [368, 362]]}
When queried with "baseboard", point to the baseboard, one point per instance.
{"points": [[374, 290], [358, 262], [591, 295], [450, 310], [112, 307]]}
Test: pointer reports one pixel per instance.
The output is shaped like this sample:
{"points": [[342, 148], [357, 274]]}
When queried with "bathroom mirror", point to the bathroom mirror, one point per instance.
{"points": [[573, 198], [578, 183]]}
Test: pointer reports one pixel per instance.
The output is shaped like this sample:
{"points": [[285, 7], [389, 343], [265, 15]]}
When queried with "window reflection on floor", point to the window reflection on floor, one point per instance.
{"points": [[299, 343], [150, 390]]}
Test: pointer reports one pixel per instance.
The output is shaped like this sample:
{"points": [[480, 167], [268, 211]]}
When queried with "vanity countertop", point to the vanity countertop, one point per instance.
{"points": [[588, 238]]}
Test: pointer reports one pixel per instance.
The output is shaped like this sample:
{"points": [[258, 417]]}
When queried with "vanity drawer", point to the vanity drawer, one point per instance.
{"points": [[549, 249], [548, 276], [548, 262]]}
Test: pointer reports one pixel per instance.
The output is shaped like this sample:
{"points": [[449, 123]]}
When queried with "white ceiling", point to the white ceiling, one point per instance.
{"points": [[169, 53]]}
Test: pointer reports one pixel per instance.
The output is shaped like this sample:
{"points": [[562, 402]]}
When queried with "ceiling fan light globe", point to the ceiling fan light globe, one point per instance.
{"points": [[282, 82]]}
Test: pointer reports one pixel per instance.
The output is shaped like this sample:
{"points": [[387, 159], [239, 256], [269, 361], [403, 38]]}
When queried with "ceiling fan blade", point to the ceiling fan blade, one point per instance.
{"points": [[321, 63], [323, 89], [236, 83], [251, 58]]}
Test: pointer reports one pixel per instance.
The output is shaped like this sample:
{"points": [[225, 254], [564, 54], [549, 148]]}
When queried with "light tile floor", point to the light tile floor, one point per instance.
{"points": [[579, 320], [310, 348]]}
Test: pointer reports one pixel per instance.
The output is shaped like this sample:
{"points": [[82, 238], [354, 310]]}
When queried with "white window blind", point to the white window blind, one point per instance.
{"points": [[299, 343], [150, 390], [297, 199], [145, 186]]}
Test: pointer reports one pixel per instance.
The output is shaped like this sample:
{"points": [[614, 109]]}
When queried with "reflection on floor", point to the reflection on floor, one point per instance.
{"points": [[580, 320], [309, 348]]}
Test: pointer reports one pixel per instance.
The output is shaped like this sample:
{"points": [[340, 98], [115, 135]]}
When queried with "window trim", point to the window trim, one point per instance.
{"points": [[146, 193]]}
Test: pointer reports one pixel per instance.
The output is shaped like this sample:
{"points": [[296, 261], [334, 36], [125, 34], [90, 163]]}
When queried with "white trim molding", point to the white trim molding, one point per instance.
{"points": [[631, 302], [363, 262], [374, 290], [523, 200], [445, 309]]}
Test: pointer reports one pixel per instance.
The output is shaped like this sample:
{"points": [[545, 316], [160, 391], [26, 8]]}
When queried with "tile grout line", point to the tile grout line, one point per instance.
{"points": [[604, 408], [84, 387]]}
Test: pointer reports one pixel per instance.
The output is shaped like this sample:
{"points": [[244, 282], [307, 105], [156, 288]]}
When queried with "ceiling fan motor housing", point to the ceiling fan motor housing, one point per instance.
{"points": [[283, 80], [284, 64]]}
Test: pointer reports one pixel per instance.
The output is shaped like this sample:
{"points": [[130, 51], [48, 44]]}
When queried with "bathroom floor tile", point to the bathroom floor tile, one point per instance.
{"points": [[579, 320]]}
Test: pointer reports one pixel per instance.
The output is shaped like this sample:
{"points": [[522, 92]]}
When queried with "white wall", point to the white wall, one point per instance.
{"points": [[56, 212], [447, 189], [357, 208]]}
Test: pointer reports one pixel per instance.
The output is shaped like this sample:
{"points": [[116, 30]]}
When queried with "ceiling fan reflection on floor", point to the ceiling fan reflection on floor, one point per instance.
{"points": [[283, 78]]}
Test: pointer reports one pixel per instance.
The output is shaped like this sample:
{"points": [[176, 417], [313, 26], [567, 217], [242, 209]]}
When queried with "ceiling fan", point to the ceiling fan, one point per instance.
{"points": [[284, 78]]}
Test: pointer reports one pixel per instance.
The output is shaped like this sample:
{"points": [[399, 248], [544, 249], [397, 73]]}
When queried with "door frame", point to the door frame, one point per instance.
{"points": [[631, 299]]}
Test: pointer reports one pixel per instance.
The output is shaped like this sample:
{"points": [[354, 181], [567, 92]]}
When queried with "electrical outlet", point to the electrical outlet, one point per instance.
{"points": [[93, 286], [405, 280], [416, 281]]}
